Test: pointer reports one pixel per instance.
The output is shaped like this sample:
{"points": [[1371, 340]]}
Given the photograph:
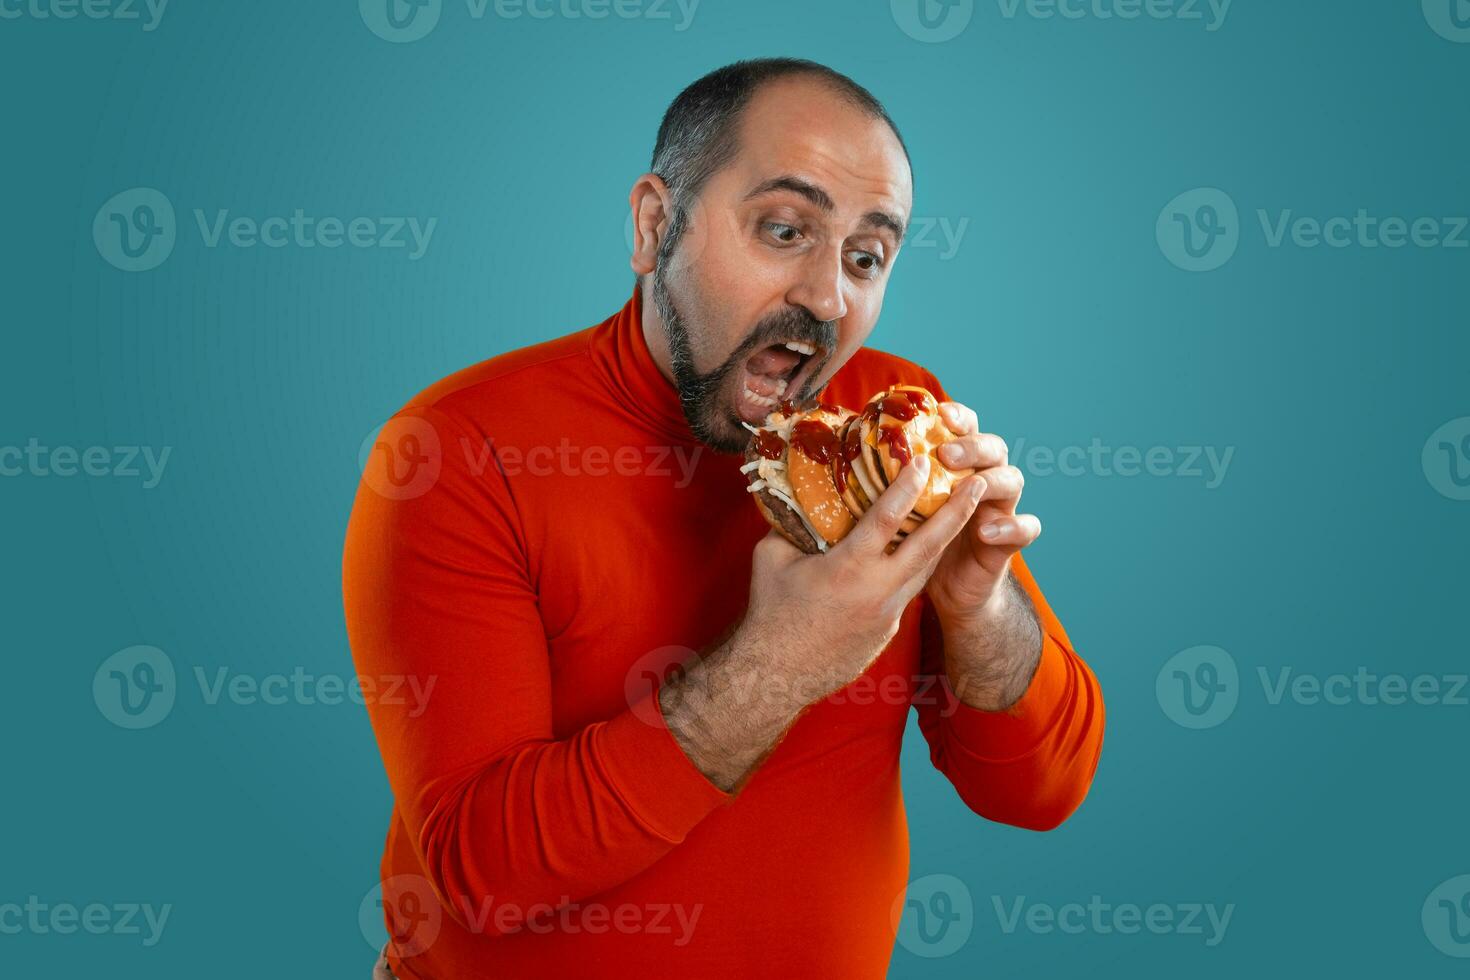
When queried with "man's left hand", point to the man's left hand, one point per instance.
{"points": [[970, 580]]}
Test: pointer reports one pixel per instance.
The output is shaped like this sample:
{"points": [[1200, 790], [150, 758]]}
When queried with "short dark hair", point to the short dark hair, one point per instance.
{"points": [[698, 133]]}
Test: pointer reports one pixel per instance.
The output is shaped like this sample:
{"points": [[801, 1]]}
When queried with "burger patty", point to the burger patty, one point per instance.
{"points": [[780, 514]]}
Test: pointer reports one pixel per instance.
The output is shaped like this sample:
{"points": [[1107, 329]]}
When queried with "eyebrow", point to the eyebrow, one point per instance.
{"points": [[823, 200]]}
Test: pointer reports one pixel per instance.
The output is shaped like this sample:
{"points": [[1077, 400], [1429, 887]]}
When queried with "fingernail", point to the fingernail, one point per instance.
{"points": [[977, 487], [921, 466], [951, 452], [990, 531]]}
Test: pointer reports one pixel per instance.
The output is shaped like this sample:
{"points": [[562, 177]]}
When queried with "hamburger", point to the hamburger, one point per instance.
{"points": [[814, 472]]}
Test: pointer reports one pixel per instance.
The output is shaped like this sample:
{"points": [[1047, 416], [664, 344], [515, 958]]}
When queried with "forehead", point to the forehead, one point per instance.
{"points": [[802, 127]]}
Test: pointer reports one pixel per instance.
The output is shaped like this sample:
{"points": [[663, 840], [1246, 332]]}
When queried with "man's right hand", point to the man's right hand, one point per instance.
{"points": [[814, 624], [830, 616]]}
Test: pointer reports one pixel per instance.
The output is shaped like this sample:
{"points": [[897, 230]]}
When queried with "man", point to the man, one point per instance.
{"points": [[542, 535]]}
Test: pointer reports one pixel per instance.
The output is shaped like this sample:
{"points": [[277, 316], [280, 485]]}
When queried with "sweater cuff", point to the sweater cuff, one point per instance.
{"points": [[653, 775], [1004, 736]]}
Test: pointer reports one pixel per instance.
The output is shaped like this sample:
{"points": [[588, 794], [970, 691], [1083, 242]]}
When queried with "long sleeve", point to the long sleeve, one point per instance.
{"points": [[438, 590], [1031, 765]]}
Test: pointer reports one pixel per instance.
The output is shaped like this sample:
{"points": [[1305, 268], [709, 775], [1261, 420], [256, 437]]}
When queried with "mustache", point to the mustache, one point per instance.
{"points": [[792, 323]]}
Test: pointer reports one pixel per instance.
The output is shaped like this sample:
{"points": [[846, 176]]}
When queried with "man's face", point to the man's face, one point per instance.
{"points": [[791, 243]]}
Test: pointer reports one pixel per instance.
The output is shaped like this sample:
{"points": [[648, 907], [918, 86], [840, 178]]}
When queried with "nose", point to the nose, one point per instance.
{"points": [[818, 288]]}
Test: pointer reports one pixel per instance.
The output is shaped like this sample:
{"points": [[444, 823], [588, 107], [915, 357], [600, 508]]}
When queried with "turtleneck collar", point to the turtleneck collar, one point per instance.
{"points": [[622, 356]]}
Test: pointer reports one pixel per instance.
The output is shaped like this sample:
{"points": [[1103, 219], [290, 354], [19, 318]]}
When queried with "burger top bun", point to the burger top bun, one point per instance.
{"points": [[901, 424], [814, 443]]}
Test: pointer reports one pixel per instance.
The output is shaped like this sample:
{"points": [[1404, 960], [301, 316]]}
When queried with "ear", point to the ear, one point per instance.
{"points": [[651, 204]]}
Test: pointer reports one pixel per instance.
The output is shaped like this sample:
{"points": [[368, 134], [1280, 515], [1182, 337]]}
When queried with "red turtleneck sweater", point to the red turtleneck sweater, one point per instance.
{"points": [[533, 536]]}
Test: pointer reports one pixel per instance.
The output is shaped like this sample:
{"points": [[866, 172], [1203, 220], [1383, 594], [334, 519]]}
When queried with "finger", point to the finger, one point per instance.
{"points": [[922, 548], [978, 450], [877, 527], [1003, 484], [1009, 533], [775, 550], [961, 419]]}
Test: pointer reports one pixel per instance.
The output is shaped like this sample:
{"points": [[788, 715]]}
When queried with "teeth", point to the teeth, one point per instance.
{"points": [[800, 347], [781, 386], [766, 401]]}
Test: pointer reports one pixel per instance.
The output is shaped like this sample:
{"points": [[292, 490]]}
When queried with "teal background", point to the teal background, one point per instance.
{"points": [[1325, 548]]}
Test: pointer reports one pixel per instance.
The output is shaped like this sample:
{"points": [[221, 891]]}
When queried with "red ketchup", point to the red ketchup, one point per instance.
{"points": [[816, 440], [898, 443], [768, 444], [852, 445]]}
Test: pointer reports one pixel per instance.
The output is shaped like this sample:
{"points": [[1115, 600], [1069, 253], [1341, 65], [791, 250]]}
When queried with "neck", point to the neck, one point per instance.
{"points": [[654, 334]]}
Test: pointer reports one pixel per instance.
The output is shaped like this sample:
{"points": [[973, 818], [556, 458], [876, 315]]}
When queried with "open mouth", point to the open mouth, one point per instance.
{"points": [[775, 373]]}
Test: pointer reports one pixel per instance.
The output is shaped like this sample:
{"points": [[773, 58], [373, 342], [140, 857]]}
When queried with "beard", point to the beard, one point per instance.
{"points": [[706, 398]]}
